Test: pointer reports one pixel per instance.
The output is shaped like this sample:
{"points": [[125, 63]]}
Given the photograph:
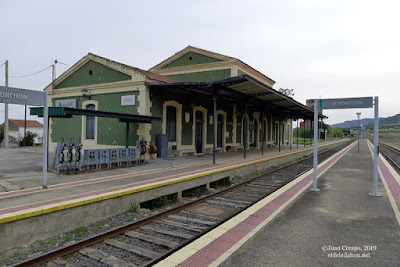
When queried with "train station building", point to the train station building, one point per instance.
{"points": [[175, 97]]}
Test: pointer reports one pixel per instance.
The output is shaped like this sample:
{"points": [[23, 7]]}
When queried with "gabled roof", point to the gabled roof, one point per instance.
{"points": [[29, 123], [150, 76], [124, 68], [206, 53]]}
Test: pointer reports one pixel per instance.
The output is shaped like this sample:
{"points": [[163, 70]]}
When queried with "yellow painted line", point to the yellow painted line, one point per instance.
{"points": [[22, 214], [9, 217], [52, 207], [96, 198]]}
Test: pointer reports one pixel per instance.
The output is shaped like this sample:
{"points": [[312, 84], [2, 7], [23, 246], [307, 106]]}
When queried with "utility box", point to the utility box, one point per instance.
{"points": [[162, 145]]}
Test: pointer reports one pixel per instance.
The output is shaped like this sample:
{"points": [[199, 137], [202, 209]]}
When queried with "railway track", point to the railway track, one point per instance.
{"points": [[391, 154], [150, 240]]}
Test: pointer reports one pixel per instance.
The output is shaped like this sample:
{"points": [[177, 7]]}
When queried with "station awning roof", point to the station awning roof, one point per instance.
{"points": [[244, 90], [63, 112]]}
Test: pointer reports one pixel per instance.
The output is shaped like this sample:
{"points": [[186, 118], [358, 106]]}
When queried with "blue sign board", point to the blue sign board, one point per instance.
{"points": [[21, 96], [344, 103]]}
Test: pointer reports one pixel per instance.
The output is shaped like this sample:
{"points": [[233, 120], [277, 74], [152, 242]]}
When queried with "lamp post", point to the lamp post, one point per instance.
{"points": [[358, 130]]}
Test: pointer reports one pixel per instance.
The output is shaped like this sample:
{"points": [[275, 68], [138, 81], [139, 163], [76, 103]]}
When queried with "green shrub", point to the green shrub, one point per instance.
{"points": [[28, 139]]}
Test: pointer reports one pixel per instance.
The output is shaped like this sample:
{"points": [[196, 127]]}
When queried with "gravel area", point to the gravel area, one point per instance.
{"points": [[187, 222], [141, 243], [121, 254], [78, 260], [197, 216], [172, 228], [166, 237]]}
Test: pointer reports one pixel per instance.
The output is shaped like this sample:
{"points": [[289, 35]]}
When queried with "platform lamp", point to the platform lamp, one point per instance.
{"points": [[358, 130], [86, 93]]}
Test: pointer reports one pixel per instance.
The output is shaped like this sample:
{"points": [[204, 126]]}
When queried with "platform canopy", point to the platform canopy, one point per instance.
{"points": [[63, 112], [244, 90]]}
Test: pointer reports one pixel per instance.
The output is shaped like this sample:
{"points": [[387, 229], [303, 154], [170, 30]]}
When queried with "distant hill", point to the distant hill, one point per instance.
{"points": [[394, 120]]}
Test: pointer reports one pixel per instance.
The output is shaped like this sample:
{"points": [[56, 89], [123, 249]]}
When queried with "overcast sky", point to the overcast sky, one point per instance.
{"points": [[321, 48]]}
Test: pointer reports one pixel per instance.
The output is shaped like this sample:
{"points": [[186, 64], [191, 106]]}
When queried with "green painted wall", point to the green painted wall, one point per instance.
{"points": [[191, 58], [67, 128], [203, 76], [241, 73], [100, 74], [109, 130]]}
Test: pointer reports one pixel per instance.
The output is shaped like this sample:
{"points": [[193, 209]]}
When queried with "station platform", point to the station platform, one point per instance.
{"points": [[67, 191], [342, 225]]}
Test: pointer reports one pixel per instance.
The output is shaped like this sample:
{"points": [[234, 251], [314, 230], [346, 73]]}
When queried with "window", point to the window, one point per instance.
{"points": [[90, 120], [171, 123]]}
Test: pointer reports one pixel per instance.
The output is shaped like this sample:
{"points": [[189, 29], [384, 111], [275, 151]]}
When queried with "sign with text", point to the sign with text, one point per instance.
{"points": [[128, 100], [342, 103], [21, 96], [66, 103]]}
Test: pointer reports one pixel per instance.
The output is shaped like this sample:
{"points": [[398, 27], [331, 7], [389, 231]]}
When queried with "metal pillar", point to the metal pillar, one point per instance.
{"points": [[45, 139], [297, 130], [315, 157], [358, 134], [6, 111], [376, 148], [244, 127], [279, 136], [215, 126], [127, 135], [304, 136], [25, 127], [263, 134], [290, 134]]}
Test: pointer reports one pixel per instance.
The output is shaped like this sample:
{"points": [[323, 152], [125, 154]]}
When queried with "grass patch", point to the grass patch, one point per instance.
{"points": [[134, 207], [80, 232]]}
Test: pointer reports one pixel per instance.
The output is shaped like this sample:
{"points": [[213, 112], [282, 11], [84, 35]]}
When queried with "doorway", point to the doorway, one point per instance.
{"points": [[199, 132], [219, 130]]}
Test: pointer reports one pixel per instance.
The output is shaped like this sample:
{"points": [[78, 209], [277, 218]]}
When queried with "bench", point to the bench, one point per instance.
{"points": [[217, 149], [237, 148], [186, 151]]}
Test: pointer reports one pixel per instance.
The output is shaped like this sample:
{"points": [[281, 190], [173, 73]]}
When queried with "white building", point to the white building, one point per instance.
{"points": [[16, 129]]}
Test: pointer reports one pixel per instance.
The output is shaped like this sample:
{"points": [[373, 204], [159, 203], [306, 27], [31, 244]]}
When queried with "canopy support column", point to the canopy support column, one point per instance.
{"points": [[304, 136], [263, 134], [297, 130], [311, 127], [127, 135], [214, 125], [279, 136], [244, 127], [290, 137]]}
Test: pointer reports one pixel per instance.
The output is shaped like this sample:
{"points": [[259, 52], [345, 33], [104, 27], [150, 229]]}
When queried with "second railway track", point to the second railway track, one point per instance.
{"points": [[150, 240], [391, 154]]}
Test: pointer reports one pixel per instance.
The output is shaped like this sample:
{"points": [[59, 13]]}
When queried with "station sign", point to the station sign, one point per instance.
{"points": [[342, 103], [21, 96]]}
